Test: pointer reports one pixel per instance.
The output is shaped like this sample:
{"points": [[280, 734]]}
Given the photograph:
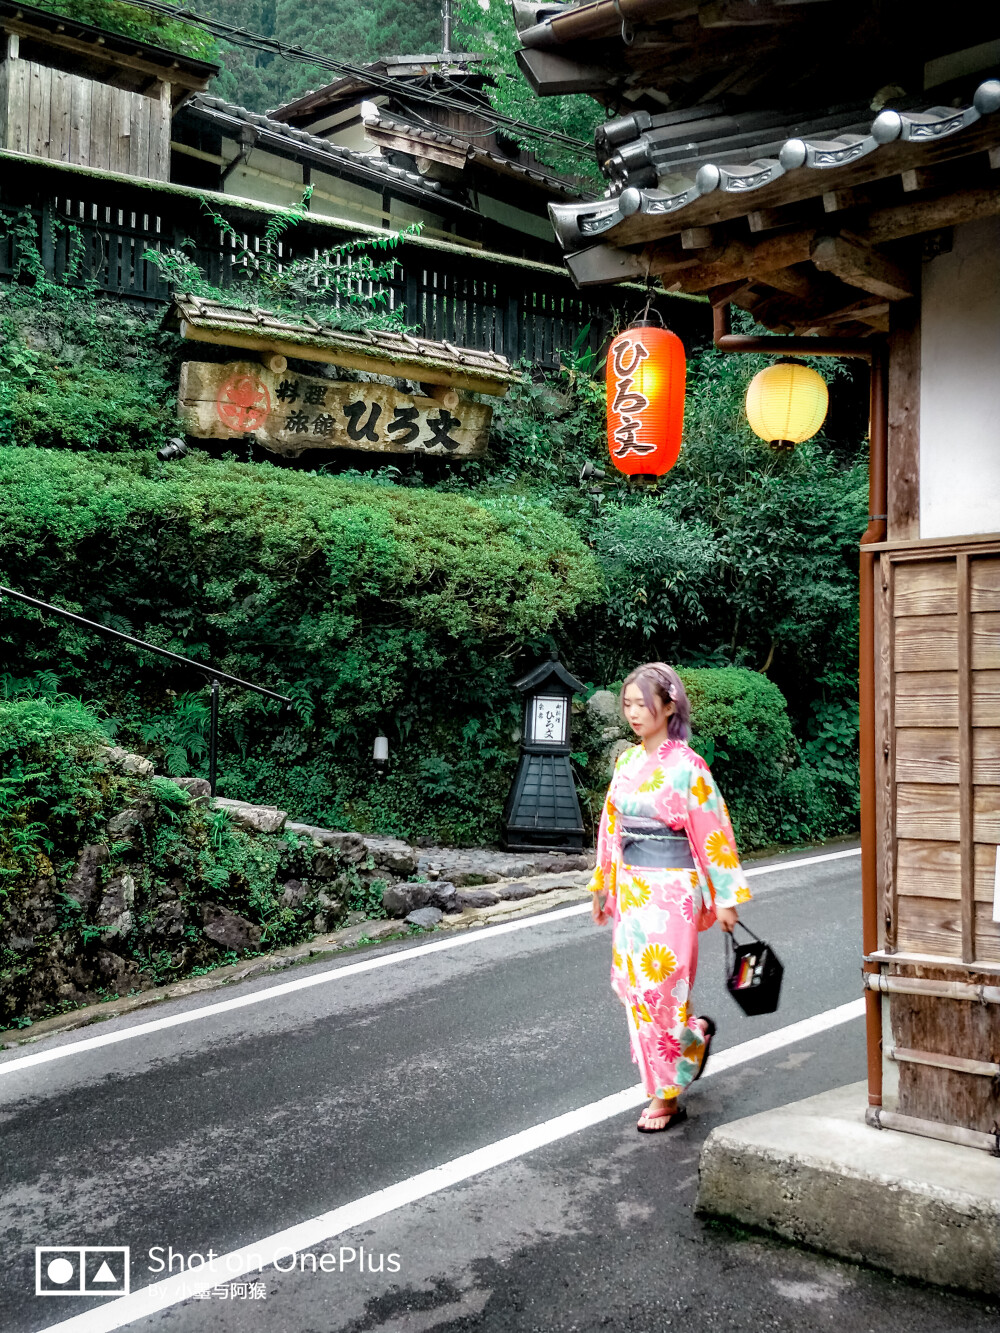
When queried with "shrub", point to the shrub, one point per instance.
{"points": [[371, 605], [741, 728], [52, 787]]}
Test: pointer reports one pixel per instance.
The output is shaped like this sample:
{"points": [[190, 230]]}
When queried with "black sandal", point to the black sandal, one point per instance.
{"points": [[673, 1118], [710, 1030]]}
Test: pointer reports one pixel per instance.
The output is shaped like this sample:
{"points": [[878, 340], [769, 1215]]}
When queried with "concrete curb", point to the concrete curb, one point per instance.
{"points": [[553, 890], [817, 1174]]}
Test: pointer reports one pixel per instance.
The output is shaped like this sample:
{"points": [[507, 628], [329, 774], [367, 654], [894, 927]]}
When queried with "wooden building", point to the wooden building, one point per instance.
{"points": [[835, 170], [393, 107], [73, 93], [115, 148]]}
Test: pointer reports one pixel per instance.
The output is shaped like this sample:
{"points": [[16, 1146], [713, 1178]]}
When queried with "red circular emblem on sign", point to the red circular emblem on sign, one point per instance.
{"points": [[243, 403]]}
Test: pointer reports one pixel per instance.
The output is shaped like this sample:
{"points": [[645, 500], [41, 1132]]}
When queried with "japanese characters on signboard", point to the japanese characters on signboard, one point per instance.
{"points": [[548, 720], [289, 413]]}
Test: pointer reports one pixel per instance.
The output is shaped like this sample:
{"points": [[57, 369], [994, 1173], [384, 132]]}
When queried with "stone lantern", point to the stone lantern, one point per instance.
{"points": [[542, 811]]}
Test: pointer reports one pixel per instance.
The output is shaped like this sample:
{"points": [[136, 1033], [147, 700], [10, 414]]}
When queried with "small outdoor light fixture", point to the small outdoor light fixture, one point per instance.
{"points": [[380, 752], [787, 403], [542, 811], [175, 448], [646, 372]]}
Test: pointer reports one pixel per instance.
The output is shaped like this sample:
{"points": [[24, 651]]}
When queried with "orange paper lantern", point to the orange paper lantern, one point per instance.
{"points": [[645, 376]]}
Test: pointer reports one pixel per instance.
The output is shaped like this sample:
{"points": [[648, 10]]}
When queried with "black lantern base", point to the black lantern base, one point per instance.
{"points": [[542, 812]]}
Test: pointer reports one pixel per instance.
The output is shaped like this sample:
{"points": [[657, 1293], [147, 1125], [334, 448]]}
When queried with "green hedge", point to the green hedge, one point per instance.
{"points": [[740, 726], [777, 789], [371, 605]]}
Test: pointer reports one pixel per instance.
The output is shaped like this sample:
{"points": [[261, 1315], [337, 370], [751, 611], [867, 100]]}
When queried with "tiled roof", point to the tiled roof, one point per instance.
{"points": [[424, 134], [284, 138], [386, 67], [409, 356], [670, 178]]}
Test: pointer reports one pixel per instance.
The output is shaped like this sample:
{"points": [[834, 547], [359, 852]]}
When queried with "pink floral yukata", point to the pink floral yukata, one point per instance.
{"points": [[657, 913]]}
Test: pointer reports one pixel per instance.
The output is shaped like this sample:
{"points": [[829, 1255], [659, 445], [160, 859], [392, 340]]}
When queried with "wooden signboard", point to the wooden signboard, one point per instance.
{"points": [[289, 413]]}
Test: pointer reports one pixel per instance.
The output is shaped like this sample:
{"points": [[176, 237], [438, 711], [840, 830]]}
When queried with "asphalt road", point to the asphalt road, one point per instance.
{"points": [[221, 1131]]}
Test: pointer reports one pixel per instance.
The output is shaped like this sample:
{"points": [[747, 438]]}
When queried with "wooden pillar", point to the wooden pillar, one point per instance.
{"points": [[904, 421]]}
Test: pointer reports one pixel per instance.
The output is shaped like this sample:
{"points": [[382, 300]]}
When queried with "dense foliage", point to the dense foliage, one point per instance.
{"points": [[105, 875], [409, 597], [487, 26], [133, 21], [371, 605], [341, 29]]}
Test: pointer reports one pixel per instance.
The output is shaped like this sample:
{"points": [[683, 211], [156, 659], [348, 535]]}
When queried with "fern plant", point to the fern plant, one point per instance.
{"points": [[345, 286]]}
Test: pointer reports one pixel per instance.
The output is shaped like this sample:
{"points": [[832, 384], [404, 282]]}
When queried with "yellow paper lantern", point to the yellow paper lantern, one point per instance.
{"points": [[787, 403]]}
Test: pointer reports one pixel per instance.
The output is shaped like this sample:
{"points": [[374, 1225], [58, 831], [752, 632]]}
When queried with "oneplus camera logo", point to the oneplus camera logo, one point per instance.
{"points": [[81, 1270]]}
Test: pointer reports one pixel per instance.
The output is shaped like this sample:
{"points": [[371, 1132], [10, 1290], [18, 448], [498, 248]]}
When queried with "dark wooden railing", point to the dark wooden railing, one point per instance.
{"points": [[105, 225]]}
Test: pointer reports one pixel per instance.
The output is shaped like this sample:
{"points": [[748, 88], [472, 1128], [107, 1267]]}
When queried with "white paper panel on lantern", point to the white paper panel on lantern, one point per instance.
{"points": [[548, 720]]}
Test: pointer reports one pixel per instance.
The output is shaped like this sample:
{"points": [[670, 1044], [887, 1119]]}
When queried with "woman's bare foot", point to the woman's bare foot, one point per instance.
{"points": [[657, 1113]]}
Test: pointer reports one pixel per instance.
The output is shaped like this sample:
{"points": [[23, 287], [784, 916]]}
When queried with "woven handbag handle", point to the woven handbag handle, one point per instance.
{"points": [[748, 931]]}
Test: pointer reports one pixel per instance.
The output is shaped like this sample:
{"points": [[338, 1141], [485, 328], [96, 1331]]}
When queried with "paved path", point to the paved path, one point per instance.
{"points": [[243, 1121]]}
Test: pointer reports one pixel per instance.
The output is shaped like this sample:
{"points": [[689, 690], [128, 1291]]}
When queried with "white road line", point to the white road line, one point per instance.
{"points": [[337, 974], [803, 861], [306, 1235]]}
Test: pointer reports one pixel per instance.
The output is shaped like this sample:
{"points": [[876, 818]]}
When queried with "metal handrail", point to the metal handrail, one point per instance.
{"points": [[211, 674]]}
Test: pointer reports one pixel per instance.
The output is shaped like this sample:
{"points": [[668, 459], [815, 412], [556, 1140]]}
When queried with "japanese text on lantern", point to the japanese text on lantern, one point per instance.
{"points": [[628, 400], [549, 720]]}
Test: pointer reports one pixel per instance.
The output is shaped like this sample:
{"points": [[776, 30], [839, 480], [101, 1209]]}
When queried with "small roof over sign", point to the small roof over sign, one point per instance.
{"points": [[380, 351], [551, 670]]}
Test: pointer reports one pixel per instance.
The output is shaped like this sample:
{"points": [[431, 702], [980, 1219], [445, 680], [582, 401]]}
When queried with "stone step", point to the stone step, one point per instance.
{"points": [[401, 900]]}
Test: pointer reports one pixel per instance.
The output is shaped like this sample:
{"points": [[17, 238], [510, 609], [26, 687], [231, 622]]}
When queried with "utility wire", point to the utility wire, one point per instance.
{"points": [[272, 46]]}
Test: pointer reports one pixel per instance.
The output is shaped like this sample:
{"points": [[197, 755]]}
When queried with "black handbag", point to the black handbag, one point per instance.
{"points": [[753, 973]]}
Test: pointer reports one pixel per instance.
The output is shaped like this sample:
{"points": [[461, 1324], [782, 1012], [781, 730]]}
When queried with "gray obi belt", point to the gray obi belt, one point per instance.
{"points": [[647, 842]]}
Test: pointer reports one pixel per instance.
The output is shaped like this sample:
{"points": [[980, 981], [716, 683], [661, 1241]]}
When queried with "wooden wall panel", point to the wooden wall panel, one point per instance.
{"points": [[928, 869], [943, 727], [929, 698], [986, 640], [17, 103], [59, 116], [4, 99], [946, 1027], [119, 135], [930, 926], [80, 114], [927, 811], [927, 754], [926, 643], [66, 118], [100, 127], [986, 756], [987, 939], [986, 815], [885, 761], [984, 582], [39, 106], [986, 860], [924, 588], [986, 698], [138, 157]]}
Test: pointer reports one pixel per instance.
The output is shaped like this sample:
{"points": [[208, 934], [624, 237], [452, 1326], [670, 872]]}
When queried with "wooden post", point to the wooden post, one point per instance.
{"points": [[965, 775]]}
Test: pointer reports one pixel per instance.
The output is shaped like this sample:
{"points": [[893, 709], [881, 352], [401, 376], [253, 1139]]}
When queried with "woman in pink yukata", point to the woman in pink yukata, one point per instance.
{"points": [[667, 868]]}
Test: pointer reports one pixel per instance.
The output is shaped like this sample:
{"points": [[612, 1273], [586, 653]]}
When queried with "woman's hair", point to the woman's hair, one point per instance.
{"points": [[657, 680]]}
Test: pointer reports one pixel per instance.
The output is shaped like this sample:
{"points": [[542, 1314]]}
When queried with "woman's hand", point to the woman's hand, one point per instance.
{"points": [[598, 908], [727, 918]]}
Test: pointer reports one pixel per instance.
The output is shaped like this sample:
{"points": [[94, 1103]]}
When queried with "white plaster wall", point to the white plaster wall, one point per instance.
{"points": [[960, 386]]}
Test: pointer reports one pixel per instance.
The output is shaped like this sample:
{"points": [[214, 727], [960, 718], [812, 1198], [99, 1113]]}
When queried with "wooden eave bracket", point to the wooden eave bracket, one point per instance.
{"points": [[861, 266]]}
